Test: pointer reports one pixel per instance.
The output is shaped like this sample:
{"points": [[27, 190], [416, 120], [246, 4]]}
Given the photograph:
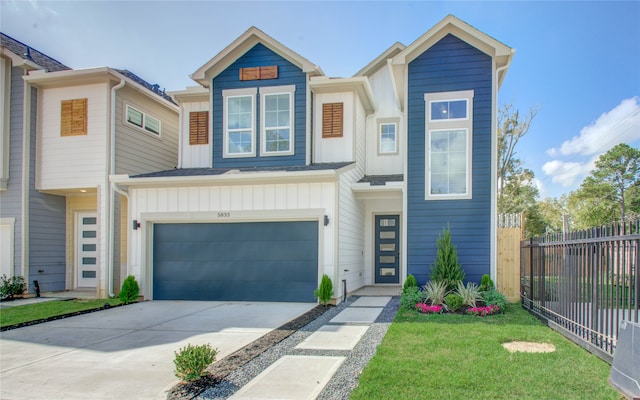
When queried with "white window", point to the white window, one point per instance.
{"points": [[449, 133], [239, 122], [143, 121], [388, 137], [276, 116]]}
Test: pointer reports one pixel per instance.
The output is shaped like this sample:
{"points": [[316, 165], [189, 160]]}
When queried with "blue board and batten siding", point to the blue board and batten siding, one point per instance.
{"points": [[288, 74], [450, 65]]}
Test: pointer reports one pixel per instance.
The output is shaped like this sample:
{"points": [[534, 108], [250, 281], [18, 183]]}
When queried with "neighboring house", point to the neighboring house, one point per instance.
{"points": [[285, 174], [85, 125]]}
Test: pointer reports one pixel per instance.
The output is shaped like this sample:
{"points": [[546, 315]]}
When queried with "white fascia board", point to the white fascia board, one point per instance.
{"points": [[364, 191], [230, 178], [190, 94], [241, 45], [460, 29], [359, 84], [381, 60], [18, 61], [86, 76]]}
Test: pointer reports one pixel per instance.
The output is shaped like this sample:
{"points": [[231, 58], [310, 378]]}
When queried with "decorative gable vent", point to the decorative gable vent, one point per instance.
{"points": [[259, 73]]}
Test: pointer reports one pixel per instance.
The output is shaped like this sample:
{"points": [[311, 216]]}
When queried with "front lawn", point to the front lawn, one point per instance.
{"points": [[32, 312], [461, 357]]}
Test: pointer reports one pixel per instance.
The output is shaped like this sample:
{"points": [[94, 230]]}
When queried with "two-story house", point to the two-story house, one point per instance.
{"points": [[62, 220], [286, 174]]}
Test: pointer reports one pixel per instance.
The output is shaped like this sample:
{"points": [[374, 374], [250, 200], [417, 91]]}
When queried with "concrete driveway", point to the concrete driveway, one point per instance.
{"points": [[127, 352]]}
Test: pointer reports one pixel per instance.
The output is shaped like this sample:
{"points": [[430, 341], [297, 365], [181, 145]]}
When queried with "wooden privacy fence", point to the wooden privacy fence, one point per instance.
{"points": [[584, 283], [508, 257]]}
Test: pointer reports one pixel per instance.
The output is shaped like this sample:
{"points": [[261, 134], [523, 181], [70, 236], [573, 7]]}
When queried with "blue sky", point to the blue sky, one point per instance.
{"points": [[578, 62]]}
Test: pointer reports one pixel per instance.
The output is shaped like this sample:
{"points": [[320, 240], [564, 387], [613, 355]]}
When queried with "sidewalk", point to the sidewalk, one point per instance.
{"points": [[322, 360], [50, 296]]}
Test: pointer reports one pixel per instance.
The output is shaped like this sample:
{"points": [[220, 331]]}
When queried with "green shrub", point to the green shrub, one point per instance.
{"points": [[494, 298], [435, 291], [11, 287], [446, 267], [486, 283], [469, 293], [324, 292], [410, 282], [191, 361], [410, 297], [130, 290], [453, 302]]}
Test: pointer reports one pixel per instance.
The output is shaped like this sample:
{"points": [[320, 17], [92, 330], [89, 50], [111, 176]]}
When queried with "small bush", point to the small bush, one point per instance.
{"points": [[410, 297], [435, 292], [324, 292], [191, 361], [486, 283], [410, 282], [130, 290], [446, 267], [11, 287], [494, 298], [453, 302], [469, 293]]}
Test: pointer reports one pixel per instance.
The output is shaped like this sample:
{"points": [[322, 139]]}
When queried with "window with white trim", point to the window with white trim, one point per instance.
{"points": [[388, 137], [449, 133], [239, 122], [143, 121], [276, 116]]}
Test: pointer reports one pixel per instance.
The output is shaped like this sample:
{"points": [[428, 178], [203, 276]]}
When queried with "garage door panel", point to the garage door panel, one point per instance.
{"points": [[267, 261]]}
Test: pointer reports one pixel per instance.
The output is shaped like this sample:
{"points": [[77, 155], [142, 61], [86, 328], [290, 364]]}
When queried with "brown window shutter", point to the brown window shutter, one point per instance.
{"points": [[332, 120], [199, 127], [73, 117]]}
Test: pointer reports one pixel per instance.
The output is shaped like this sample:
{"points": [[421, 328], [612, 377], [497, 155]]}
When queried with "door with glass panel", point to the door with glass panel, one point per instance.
{"points": [[387, 249], [86, 252]]}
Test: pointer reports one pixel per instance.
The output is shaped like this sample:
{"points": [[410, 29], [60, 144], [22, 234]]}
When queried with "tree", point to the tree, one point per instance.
{"points": [[516, 192], [612, 190]]}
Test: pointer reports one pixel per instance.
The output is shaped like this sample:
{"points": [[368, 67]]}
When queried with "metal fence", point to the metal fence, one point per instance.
{"points": [[584, 283]]}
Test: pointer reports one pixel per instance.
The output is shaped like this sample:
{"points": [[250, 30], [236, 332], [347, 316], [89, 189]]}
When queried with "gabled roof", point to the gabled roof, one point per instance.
{"points": [[501, 53], [381, 60], [30, 57], [243, 44]]}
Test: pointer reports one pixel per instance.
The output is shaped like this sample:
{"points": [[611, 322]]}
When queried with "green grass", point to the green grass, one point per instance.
{"points": [[33, 312], [461, 357]]}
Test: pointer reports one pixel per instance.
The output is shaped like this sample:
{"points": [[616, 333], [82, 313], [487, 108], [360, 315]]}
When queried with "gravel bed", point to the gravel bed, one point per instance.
{"points": [[343, 381]]}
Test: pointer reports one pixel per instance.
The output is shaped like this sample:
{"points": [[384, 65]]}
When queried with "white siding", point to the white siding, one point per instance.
{"points": [[295, 201], [194, 156], [387, 111], [139, 151], [334, 149], [72, 161]]}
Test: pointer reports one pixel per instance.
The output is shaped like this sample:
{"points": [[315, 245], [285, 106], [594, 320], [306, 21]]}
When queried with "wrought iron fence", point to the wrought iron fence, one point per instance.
{"points": [[584, 283]]}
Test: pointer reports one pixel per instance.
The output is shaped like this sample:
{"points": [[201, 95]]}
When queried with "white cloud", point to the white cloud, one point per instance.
{"points": [[620, 125], [567, 173]]}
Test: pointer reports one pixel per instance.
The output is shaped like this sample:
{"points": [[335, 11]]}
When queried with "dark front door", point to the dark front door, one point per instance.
{"points": [[387, 253]]}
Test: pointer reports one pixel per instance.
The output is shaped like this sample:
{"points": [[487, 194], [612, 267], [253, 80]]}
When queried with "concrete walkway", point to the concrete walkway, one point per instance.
{"points": [[313, 372]]}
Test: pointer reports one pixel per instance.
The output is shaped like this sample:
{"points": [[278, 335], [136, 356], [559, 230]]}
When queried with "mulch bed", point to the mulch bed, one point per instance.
{"points": [[219, 370]]}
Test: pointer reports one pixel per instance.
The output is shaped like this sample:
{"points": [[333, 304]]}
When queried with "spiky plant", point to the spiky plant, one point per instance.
{"points": [[468, 293], [435, 291]]}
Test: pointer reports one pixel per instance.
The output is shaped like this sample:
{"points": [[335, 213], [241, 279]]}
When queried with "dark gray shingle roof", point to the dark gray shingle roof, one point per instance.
{"points": [[220, 171], [154, 88], [380, 180], [29, 53]]}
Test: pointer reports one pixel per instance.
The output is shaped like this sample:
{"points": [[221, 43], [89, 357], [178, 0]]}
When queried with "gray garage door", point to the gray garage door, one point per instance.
{"points": [[265, 261]]}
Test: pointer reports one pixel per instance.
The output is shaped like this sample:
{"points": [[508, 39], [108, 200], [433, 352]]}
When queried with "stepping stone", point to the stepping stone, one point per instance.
{"points": [[291, 377], [357, 315], [371, 301], [334, 337]]}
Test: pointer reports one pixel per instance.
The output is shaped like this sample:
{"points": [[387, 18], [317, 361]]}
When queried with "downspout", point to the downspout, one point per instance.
{"points": [[494, 163], [111, 169], [26, 174]]}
